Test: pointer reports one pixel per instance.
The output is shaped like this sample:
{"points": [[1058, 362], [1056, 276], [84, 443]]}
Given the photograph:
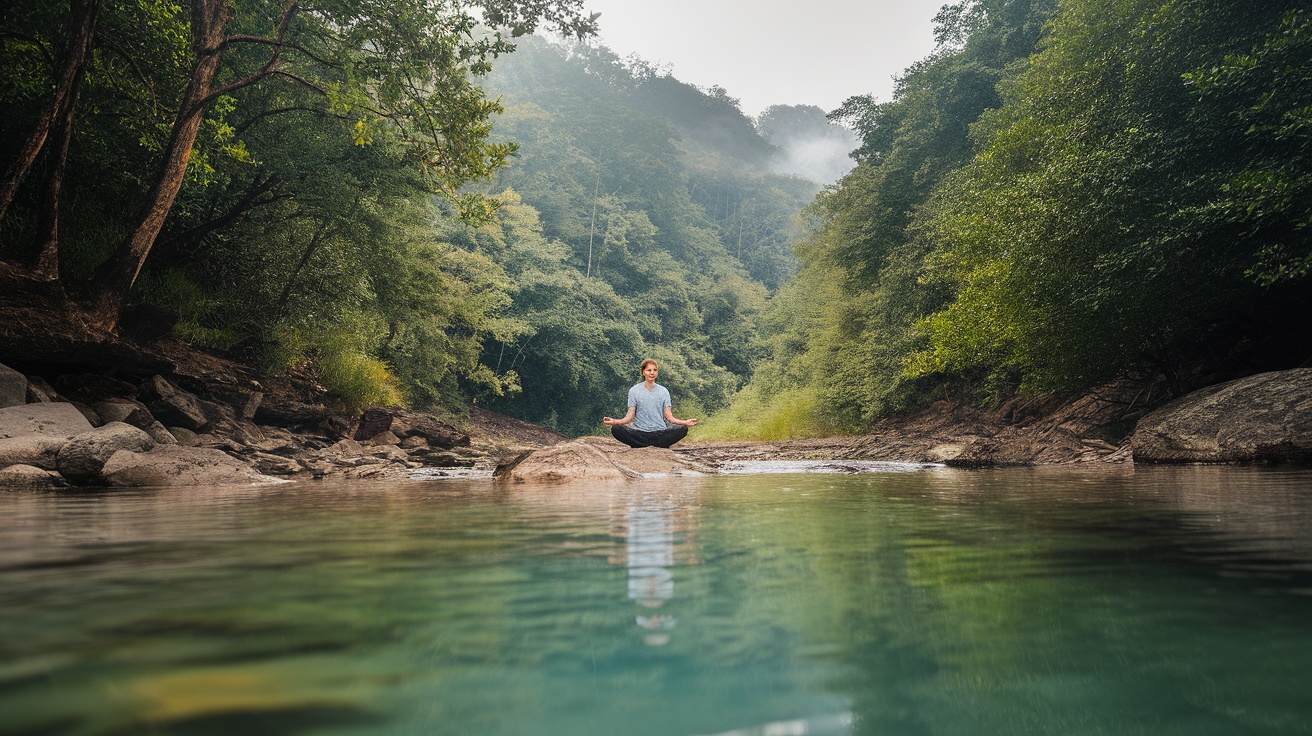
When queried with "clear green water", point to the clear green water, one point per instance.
{"points": [[1156, 601]]}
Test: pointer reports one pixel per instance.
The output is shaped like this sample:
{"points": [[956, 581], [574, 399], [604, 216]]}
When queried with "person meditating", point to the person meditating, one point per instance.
{"points": [[649, 410]]}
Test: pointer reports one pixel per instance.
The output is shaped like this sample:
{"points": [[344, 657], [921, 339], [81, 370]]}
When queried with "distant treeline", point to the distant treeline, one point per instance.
{"points": [[1063, 192]]}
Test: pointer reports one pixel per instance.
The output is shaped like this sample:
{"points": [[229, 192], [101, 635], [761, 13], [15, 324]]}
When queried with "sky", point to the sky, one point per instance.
{"points": [[775, 52]]}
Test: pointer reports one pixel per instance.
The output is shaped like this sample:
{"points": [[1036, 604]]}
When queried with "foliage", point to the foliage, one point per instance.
{"points": [[1150, 158]]}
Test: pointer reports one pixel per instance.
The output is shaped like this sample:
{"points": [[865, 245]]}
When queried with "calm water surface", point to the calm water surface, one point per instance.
{"points": [[1122, 601]]}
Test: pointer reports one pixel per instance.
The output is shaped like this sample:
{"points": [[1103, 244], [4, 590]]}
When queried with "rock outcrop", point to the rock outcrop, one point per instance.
{"points": [[1261, 418], [596, 460]]}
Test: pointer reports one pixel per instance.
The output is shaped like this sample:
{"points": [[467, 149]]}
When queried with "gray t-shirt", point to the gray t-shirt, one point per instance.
{"points": [[650, 416]]}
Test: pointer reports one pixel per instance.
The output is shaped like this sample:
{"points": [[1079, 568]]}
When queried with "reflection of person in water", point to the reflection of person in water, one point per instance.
{"points": [[645, 425], [650, 556]]}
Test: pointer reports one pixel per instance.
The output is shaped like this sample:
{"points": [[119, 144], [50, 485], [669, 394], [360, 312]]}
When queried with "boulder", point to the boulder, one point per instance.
{"points": [[33, 434], [373, 422], [160, 434], [386, 438], [175, 465], [172, 405], [128, 411], [33, 449], [596, 460], [185, 436], [406, 424], [56, 419], [1261, 418], [29, 476], [39, 390], [82, 457], [13, 387]]}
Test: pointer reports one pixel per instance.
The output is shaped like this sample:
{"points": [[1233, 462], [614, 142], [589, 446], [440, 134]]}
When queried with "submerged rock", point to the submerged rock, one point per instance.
{"points": [[596, 459], [1262, 418]]}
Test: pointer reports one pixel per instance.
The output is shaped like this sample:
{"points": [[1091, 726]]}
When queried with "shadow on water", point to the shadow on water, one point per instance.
{"points": [[1017, 601]]}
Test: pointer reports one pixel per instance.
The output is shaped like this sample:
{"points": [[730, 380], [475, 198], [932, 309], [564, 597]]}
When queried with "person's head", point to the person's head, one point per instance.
{"points": [[649, 364]]}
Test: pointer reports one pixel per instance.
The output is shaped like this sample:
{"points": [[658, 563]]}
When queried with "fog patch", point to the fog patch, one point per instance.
{"points": [[807, 144]]}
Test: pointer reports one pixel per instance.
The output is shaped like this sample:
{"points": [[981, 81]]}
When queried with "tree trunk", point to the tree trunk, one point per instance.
{"points": [[209, 22], [81, 31], [47, 264]]}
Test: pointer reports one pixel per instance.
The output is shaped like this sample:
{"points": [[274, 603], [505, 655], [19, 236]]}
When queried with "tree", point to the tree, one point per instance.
{"points": [[409, 66], [1148, 159]]}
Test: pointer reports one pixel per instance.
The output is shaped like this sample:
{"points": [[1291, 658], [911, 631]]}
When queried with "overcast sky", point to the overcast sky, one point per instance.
{"points": [[772, 52]]}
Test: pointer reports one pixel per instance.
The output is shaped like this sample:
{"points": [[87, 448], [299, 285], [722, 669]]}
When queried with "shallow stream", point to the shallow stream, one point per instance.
{"points": [[1017, 601]]}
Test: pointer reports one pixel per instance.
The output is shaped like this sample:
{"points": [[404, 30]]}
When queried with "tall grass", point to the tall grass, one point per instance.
{"points": [[788, 414]]}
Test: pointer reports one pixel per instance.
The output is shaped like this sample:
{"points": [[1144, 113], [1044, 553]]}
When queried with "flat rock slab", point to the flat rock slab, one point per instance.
{"points": [[1261, 418], [596, 459], [175, 465], [49, 420]]}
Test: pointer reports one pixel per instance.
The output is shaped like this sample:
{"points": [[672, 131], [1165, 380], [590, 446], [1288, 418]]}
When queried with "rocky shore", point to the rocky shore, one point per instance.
{"points": [[210, 421], [214, 424]]}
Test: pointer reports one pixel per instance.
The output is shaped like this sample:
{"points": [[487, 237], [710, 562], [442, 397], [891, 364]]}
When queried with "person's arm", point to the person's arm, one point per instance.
{"points": [[627, 417], [669, 417]]}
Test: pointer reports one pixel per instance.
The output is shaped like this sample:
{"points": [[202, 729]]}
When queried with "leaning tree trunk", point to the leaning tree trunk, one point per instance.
{"points": [[209, 23], [81, 30]]}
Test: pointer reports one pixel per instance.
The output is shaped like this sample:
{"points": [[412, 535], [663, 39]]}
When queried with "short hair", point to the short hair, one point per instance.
{"points": [[645, 363]]}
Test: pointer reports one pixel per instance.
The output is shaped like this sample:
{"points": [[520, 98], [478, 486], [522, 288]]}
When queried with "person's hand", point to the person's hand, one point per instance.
{"points": [[608, 421], [690, 423]]}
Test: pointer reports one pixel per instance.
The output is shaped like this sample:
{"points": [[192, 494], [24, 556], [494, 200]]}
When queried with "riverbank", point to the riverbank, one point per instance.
{"points": [[170, 414]]}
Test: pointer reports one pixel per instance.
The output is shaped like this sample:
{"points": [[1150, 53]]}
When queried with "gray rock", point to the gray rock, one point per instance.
{"points": [[373, 421], [13, 387], [34, 449], [596, 460], [83, 456], [408, 424], [39, 390], [175, 465], [1262, 418], [385, 438], [160, 434], [29, 476], [276, 464], [173, 405], [128, 411], [185, 437], [50, 420], [89, 413]]}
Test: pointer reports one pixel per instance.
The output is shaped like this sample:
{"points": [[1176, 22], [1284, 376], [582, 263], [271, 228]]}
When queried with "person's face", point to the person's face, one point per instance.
{"points": [[649, 373]]}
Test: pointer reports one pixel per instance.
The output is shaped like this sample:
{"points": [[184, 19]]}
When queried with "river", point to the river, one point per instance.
{"points": [[1151, 600]]}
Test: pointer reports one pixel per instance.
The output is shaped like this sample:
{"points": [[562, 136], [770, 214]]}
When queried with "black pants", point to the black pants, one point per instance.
{"points": [[638, 438]]}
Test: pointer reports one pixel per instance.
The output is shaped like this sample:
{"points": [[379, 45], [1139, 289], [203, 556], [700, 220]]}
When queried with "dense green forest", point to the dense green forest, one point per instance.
{"points": [[322, 190], [1064, 192], [386, 199]]}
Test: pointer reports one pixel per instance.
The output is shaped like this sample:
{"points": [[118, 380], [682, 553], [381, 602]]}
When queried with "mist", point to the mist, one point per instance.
{"points": [[807, 144]]}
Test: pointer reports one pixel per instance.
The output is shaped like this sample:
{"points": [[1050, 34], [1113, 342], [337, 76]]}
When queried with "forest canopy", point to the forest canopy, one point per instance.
{"points": [[1065, 192]]}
